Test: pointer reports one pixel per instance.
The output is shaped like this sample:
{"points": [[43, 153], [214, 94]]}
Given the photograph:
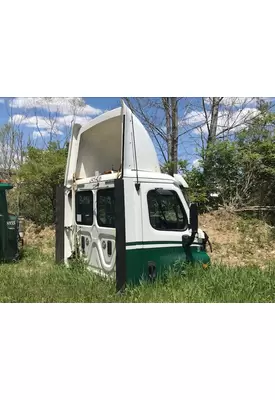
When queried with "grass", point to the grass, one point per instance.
{"points": [[37, 279]]}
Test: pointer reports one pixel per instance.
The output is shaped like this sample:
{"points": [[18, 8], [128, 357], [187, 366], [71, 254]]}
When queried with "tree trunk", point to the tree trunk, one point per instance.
{"points": [[163, 129], [212, 134], [167, 108], [214, 120], [175, 134]]}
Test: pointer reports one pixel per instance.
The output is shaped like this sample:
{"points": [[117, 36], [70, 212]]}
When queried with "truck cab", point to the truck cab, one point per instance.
{"points": [[120, 213]]}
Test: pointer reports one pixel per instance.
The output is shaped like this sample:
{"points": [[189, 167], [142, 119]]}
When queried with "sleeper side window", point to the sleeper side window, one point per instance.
{"points": [[106, 208], [166, 211], [84, 207]]}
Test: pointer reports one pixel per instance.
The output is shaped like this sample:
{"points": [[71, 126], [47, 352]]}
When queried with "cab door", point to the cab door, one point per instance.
{"points": [[95, 219], [104, 232], [165, 220], [84, 218]]}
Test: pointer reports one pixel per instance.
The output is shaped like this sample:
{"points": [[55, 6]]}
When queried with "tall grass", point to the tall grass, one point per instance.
{"points": [[37, 279]]}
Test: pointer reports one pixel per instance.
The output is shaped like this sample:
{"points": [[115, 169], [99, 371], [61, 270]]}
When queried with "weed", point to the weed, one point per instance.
{"points": [[37, 279]]}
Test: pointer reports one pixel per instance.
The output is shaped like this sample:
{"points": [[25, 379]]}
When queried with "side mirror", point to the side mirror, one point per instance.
{"points": [[194, 220]]}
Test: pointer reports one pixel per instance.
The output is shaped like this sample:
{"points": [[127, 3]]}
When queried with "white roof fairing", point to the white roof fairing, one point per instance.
{"points": [[101, 118], [139, 151], [97, 146]]}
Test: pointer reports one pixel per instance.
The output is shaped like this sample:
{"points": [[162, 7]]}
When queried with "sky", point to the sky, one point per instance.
{"points": [[38, 118]]}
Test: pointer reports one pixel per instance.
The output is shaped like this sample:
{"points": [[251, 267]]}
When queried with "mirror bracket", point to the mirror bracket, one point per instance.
{"points": [[193, 226]]}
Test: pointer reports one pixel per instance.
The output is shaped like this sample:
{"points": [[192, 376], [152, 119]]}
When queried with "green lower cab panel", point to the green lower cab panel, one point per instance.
{"points": [[141, 261]]}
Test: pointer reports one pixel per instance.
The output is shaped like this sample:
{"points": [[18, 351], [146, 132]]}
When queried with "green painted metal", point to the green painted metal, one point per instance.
{"points": [[9, 228], [163, 257], [5, 186], [12, 249]]}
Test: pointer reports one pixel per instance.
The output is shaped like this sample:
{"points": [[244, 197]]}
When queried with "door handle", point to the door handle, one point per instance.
{"points": [[83, 244], [109, 248]]}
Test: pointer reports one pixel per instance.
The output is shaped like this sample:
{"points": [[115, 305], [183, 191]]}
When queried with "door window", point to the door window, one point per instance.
{"points": [[84, 207], [166, 211], [106, 208]]}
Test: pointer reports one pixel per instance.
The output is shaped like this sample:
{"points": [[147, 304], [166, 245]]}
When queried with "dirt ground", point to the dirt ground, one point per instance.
{"points": [[238, 241], [235, 240], [36, 236]]}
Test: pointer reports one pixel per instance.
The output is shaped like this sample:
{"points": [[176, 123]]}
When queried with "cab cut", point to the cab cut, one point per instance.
{"points": [[117, 210]]}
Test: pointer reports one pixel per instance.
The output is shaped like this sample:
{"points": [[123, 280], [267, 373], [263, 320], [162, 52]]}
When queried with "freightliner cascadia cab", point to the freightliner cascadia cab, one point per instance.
{"points": [[117, 210]]}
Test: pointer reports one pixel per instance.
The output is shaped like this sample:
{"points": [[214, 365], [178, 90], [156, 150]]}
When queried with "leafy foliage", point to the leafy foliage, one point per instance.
{"points": [[243, 170], [38, 177]]}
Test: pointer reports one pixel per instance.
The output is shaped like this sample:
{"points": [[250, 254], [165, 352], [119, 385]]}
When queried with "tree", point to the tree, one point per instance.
{"points": [[243, 169], [160, 115], [212, 122], [170, 120], [222, 119], [170, 105], [11, 149], [38, 176]]}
